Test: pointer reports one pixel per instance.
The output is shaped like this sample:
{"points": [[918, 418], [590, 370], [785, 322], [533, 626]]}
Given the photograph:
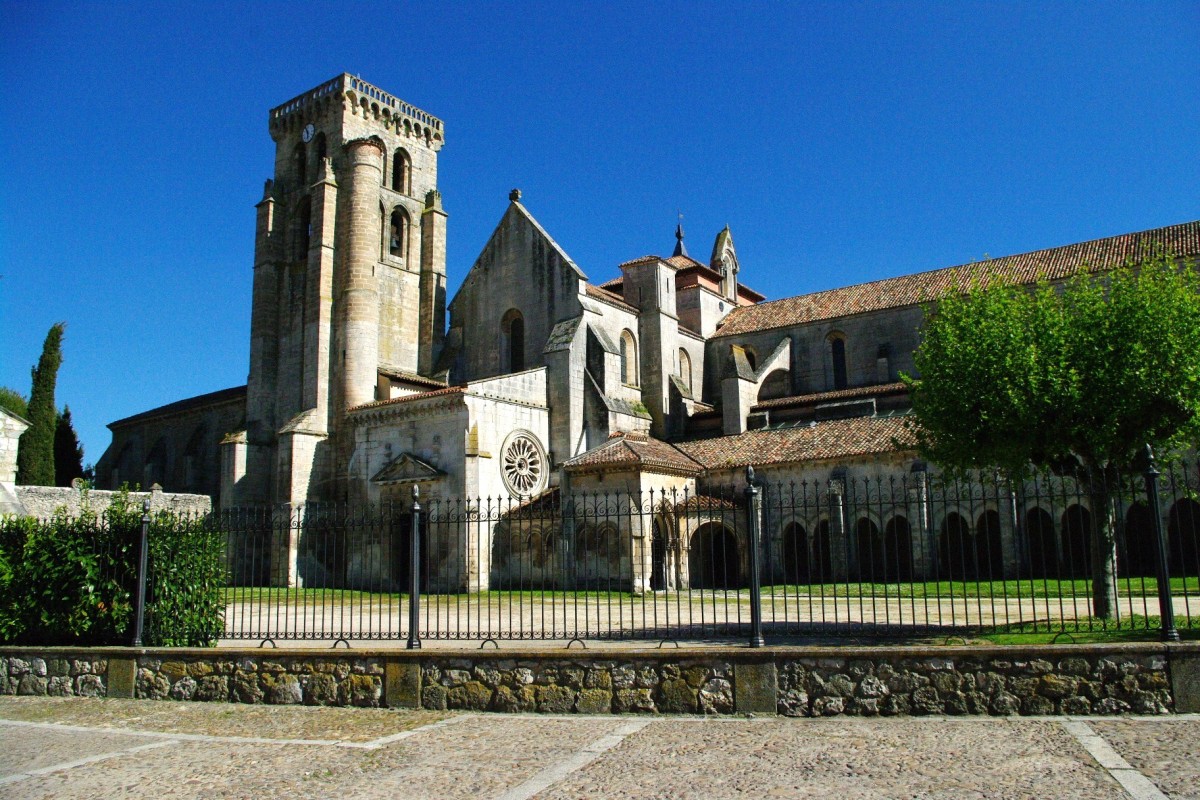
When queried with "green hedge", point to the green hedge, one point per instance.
{"points": [[72, 580]]}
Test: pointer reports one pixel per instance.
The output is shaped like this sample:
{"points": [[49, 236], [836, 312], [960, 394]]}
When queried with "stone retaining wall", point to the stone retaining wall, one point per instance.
{"points": [[1079, 679]]}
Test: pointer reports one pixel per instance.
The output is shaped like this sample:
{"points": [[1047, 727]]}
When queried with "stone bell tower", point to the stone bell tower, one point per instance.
{"points": [[349, 280]]}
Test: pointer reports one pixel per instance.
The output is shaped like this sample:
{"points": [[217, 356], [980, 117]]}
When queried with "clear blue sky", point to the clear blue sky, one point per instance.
{"points": [[842, 142]]}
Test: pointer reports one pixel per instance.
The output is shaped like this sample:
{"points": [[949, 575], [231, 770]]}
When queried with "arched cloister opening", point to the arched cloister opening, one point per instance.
{"points": [[713, 560], [1183, 537], [822, 555], [953, 544], [897, 544], [871, 559], [1138, 548], [658, 557], [1076, 542], [989, 552], [797, 564], [1040, 549]]}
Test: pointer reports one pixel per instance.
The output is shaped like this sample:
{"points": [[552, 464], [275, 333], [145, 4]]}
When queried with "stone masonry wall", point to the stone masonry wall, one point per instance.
{"points": [[1077, 680], [1082, 684], [43, 502]]}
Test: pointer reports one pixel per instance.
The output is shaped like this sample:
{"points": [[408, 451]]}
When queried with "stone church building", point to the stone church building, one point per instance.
{"points": [[661, 372]]}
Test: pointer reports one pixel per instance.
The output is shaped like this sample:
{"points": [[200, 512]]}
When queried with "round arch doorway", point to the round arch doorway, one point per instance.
{"points": [[713, 559]]}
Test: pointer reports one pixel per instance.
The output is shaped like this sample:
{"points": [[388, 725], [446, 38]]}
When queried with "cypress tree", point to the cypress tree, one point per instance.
{"points": [[68, 452], [35, 456]]}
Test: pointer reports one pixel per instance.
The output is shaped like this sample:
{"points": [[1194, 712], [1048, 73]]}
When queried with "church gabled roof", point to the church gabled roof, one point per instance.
{"points": [[843, 438], [629, 450], [1053, 264]]}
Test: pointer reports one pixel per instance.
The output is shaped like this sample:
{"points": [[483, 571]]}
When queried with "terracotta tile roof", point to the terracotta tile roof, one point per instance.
{"points": [[820, 440], [237, 393], [634, 450], [1053, 264], [608, 297], [682, 262], [409, 398], [612, 284], [824, 397], [638, 260]]}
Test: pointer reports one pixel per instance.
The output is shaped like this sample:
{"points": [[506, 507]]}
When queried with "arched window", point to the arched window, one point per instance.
{"points": [[512, 338], [319, 145], [398, 233], [685, 368], [837, 355], [195, 475], [401, 172], [629, 359], [300, 160]]}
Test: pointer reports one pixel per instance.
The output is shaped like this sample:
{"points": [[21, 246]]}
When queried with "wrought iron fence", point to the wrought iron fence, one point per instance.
{"points": [[849, 556]]}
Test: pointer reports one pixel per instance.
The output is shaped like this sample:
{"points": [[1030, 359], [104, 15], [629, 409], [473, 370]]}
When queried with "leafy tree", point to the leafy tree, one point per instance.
{"points": [[35, 456], [1087, 373], [68, 452], [14, 401]]}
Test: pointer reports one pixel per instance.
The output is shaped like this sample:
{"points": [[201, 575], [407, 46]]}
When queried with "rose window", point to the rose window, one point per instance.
{"points": [[523, 464]]}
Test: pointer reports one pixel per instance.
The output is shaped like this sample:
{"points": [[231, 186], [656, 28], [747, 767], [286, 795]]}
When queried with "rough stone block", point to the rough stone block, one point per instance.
{"points": [[1185, 680], [122, 677], [755, 688], [402, 684]]}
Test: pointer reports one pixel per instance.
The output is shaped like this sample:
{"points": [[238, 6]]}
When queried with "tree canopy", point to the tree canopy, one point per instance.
{"points": [[35, 454], [1013, 376], [68, 452], [1086, 373], [14, 401]]}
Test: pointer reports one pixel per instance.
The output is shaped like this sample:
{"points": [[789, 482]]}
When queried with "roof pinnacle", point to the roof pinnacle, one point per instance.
{"points": [[680, 249]]}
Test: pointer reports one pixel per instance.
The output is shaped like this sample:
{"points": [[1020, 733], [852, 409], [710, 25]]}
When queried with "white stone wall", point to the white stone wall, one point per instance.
{"points": [[43, 502]]}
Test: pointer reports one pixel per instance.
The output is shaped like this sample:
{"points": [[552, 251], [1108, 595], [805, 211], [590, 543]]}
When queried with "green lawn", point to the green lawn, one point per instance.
{"points": [[1040, 589], [1127, 587]]}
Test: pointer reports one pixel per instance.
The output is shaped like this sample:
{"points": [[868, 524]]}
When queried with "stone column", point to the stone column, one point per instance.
{"points": [[359, 306], [432, 318]]}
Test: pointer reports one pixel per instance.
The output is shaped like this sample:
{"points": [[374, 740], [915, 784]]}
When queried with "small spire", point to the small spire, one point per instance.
{"points": [[680, 249]]}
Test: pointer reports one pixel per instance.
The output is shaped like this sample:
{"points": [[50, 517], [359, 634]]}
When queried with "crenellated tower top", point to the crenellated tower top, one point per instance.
{"points": [[362, 98]]}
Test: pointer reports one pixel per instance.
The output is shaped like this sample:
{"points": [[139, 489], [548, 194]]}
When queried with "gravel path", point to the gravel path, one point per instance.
{"points": [[75, 747]]}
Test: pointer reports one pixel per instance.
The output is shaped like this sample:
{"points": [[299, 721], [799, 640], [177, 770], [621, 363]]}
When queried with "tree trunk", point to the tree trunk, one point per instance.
{"points": [[1104, 544]]}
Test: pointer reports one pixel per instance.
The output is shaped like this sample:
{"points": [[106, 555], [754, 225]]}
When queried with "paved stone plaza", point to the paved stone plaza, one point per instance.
{"points": [[79, 747]]}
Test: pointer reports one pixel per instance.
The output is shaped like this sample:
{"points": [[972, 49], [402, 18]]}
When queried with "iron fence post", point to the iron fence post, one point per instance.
{"points": [[139, 608], [753, 532], [414, 574], [1165, 606]]}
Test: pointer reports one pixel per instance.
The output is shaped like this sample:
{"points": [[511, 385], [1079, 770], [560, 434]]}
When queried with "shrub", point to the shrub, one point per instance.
{"points": [[72, 580]]}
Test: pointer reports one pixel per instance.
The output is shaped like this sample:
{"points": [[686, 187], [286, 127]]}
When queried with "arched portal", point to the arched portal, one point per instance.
{"points": [[713, 560], [658, 557]]}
